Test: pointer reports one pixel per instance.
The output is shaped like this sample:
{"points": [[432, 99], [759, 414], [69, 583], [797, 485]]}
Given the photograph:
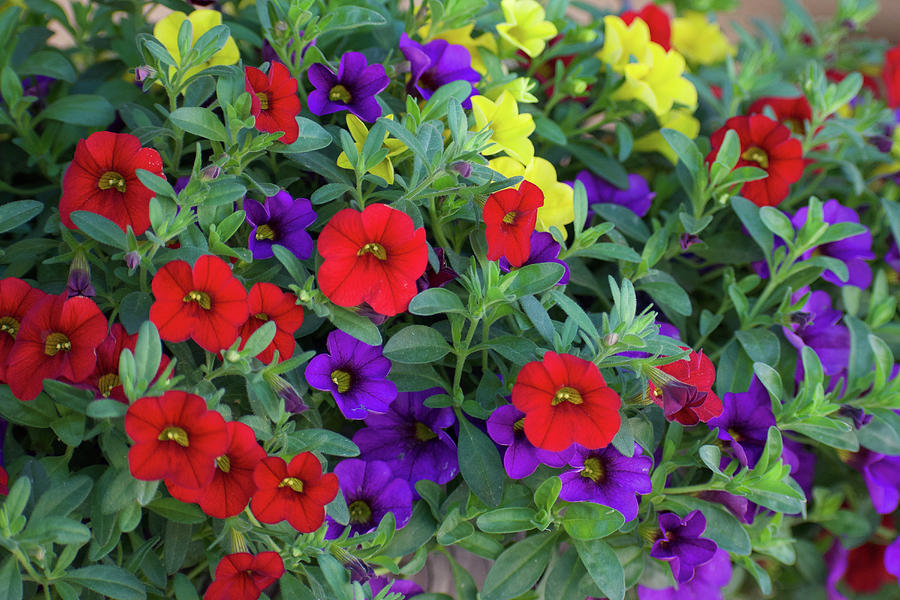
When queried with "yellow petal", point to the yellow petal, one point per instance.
{"points": [[166, 31]]}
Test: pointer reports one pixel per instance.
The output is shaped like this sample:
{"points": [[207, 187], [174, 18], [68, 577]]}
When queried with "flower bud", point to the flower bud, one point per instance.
{"points": [[688, 239], [209, 173], [293, 403], [133, 260], [79, 283], [144, 72], [462, 167], [611, 339]]}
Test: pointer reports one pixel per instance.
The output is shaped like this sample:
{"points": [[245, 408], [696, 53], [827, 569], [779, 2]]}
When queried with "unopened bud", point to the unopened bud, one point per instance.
{"points": [[293, 403], [462, 167], [232, 356], [133, 260], [209, 173], [611, 339], [238, 543], [688, 239], [144, 72], [79, 283]]}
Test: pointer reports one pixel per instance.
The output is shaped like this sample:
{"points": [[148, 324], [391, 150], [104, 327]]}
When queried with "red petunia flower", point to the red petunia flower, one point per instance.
{"points": [[566, 401], [242, 576], [891, 76], [57, 338], [865, 572], [176, 438], [510, 216], [4, 482], [102, 179], [274, 100], [297, 491], [768, 145], [232, 484], [105, 379], [373, 256], [686, 395], [206, 303], [794, 112], [657, 21], [268, 303], [16, 298]]}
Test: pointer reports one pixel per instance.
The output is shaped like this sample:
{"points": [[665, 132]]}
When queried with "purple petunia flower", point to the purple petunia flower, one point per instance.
{"points": [[355, 374], [521, 458], [431, 278], [636, 198], [836, 563], [739, 506], [544, 249], [892, 557], [37, 86], [607, 477], [282, 220], [410, 437], [892, 257], [882, 476], [681, 545], [745, 421], [435, 64], [802, 463], [353, 88], [817, 328], [707, 584], [409, 589], [371, 491], [852, 251]]}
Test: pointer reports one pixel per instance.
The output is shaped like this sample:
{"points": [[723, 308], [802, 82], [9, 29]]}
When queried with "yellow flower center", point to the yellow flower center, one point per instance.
{"points": [[263, 100], [340, 94], [359, 512], [757, 155], [175, 434], [110, 180], [264, 232], [10, 326], [261, 316], [341, 379], [56, 342], [201, 298], [224, 463], [510, 217], [107, 383], [593, 469], [567, 394], [424, 433], [293, 483], [375, 249]]}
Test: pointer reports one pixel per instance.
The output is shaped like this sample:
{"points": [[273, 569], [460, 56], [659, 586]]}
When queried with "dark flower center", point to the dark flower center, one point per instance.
{"points": [[112, 180], [519, 425], [174, 434], [263, 100], [424, 432], [264, 232], [224, 463], [340, 94], [201, 298], [567, 394], [293, 483], [510, 217], [757, 155], [359, 512], [594, 469], [55, 343], [795, 125], [342, 380], [107, 383], [9, 325], [375, 249], [261, 316]]}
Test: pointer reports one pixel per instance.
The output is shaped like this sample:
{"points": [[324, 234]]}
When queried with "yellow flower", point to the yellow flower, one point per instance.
{"points": [[658, 81], [510, 129], [623, 43], [520, 89], [359, 132], [559, 208], [202, 20], [699, 40], [680, 120], [462, 36], [525, 27]]}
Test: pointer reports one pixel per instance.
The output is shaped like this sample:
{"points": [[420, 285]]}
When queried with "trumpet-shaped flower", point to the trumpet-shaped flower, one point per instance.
{"points": [[462, 36], [658, 81], [679, 119], [624, 43], [699, 40], [510, 129], [525, 26], [384, 169], [558, 209], [202, 20], [656, 19]]}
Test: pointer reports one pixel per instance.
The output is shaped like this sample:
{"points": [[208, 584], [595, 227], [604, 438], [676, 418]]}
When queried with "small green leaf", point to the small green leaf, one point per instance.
{"points": [[518, 568], [356, 325], [200, 121], [107, 580], [479, 463], [175, 510], [416, 344], [603, 566], [80, 109], [100, 228], [436, 301], [13, 214], [321, 440], [509, 519], [590, 521]]}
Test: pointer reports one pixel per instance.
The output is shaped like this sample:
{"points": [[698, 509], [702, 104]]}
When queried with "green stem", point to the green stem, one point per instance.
{"points": [[691, 489], [436, 225]]}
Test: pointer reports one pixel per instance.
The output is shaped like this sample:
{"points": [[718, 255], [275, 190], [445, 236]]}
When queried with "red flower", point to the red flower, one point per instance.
{"points": [[105, 378], [102, 180], [4, 482], [176, 438], [793, 112], [16, 298], [297, 491], [206, 303], [510, 216], [657, 21], [566, 401], [274, 100], [692, 391], [242, 576], [865, 572], [57, 338], [891, 76], [766, 144], [373, 256], [232, 483], [268, 303]]}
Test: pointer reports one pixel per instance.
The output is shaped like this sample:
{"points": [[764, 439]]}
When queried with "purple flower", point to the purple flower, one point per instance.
{"points": [[355, 374], [882, 476], [745, 421], [353, 88], [819, 330], [409, 589], [739, 506], [37, 86], [521, 458], [681, 545], [544, 249], [435, 64], [410, 437], [836, 563], [431, 278], [892, 257], [852, 251], [607, 477], [802, 463], [857, 415], [892, 557], [282, 220], [268, 53], [707, 584], [371, 491], [637, 197]]}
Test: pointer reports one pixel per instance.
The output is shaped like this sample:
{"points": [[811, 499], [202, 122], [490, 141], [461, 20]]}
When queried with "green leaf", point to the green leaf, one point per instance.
{"points": [[862, 359], [13, 214], [185, 590], [685, 148], [356, 325], [564, 578], [60, 530], [777, 222], [748, 213], [546, 494], [668, 294], [311, 136], [80, 109], [479, 463], [509, 519], [882, 433], [761, 345], [38, 413], [436, 106], [518, 568], [106, 408], [321, 440], [600, 164], [534, 279], [603, 566], [590, 521], [69, 396], [69, 428], [10, 579], [175, 510], [416, 344], [549, 130], [200, 121], [50, 63], [100, 228], [353, 17], [107, 580], [436, 301]]}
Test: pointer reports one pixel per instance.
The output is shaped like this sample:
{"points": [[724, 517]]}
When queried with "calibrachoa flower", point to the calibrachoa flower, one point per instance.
{"points": [[521, 458], [102, 179], [16, 299], [371, 491], [768, 145], [699, 40], [356, 375], [509, 216], [281, 220], [374, 256], [4, 476], [462, 36], [359, 132], [745, 421], [274, 100], [637, 197], [267, 302], [175, 438], [58, 337], [206, 303], [202, 20], [607, 477], [794, 112], [104, 381], [707, 584], [353, 88], [690, 398], [231, 487], [435, 64], [864, 569], [243, 576], [657, 21], [566, 401], [409, 589], [882, 476], [410, 437], [525, 26], [817, 326], [296, 491], [558, 209], [891, 76], [681, 545], [544, 249], [510, 129], [439, 278]]}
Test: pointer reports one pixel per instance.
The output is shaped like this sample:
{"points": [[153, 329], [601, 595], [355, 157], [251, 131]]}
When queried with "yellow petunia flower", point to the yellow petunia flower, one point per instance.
{"points": [[559, 207], [510, 129], [202, 20], [526, 26], [680, 120], [699, 40], [624, 44], [462, 36], [658, 81], [359, 132]]}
